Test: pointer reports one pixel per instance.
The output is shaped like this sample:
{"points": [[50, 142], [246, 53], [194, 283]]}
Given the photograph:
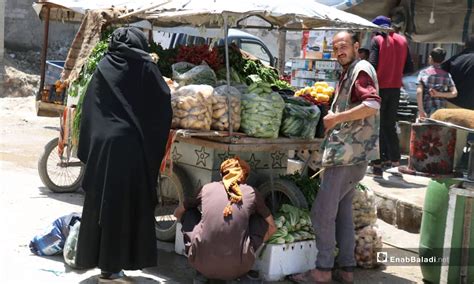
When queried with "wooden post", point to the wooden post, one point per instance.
{"points": [[44, 50]]}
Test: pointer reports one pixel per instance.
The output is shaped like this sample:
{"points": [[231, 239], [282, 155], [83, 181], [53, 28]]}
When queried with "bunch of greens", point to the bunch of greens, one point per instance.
{"points": [[79, 86], [246, 67], [166, 58], [293, 225], [308, 186]]}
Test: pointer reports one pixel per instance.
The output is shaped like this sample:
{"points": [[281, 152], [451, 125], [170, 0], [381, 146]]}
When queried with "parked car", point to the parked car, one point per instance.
{"points": [[194, 36], [409, 86]]}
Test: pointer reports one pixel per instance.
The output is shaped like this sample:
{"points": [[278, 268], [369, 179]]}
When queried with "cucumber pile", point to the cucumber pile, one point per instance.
{"points": [[300, 119], [260, 88]]}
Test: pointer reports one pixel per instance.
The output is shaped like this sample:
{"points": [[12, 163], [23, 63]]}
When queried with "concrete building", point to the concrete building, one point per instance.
{"points": [[24, 30]]}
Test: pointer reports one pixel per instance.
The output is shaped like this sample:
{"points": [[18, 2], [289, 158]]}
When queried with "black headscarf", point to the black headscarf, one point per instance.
{"points": [[129, 42]]}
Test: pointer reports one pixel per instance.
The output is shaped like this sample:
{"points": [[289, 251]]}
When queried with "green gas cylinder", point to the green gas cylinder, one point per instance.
{"points": [[432, 232]]}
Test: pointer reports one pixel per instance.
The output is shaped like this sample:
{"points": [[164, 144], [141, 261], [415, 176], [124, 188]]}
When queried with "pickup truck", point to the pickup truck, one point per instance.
{"points": [[173, 37]]}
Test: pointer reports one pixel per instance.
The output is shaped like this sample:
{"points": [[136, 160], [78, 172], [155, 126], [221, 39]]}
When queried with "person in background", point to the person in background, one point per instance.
{"points": [[390, 56], [352, 134], [434, 85], [222, 238], [364, 54], [461, 68], [125, 123]]}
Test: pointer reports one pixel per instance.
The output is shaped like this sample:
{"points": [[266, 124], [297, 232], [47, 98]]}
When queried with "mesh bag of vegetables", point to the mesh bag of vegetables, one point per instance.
{"points": [[368, 243], [299, 118], [364, 210], [197, 75], [192, 107], [220, 108], [261, 114]]}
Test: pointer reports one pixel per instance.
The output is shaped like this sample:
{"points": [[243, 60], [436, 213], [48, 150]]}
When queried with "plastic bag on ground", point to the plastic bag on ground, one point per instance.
{"points": [[51, 241], [197, 75], [368, 243], [192, 107], [364, 209], [220, 109], [70, 246], [261, 114]]}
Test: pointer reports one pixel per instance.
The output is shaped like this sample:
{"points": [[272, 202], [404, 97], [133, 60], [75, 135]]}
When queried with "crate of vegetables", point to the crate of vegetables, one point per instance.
{"points": [[292, 249]]}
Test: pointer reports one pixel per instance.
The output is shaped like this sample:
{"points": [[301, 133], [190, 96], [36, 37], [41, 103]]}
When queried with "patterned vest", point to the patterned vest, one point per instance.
{"points": [[357, 141]]}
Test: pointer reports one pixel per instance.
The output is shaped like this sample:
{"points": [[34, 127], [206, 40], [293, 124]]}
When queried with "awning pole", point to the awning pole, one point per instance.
{"points": [[281, 51], [227, 69], [44, 50]]}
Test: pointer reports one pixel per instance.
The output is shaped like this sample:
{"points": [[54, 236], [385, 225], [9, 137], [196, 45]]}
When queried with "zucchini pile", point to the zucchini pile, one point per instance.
{"points": [[293, 225]]}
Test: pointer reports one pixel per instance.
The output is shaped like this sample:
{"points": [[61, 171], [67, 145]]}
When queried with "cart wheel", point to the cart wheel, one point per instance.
{"points": [[171, 190], [56, 173], [284, 192]]}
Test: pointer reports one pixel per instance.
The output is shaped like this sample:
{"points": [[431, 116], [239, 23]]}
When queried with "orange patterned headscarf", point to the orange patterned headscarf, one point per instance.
{"points": [[234, 171]]}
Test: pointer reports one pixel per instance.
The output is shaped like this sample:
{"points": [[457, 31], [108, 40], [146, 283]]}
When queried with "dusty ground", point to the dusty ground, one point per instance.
{"points": [[27, 207]]}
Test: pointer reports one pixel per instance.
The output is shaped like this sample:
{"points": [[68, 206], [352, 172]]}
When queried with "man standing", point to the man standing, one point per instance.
{"points": [[391, 58], [461, 68], [352, 128]]}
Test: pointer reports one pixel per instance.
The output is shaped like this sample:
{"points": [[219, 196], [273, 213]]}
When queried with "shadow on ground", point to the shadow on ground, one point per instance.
{"points": [[75, 198], [395, 181]]}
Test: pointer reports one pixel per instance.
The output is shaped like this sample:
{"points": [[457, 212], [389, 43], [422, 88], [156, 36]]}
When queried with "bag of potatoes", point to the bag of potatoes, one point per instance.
{"points": [[192, 107], [220, 108]]}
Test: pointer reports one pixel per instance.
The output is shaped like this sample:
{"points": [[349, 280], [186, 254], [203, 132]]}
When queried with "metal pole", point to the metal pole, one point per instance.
{"points": [[44, 50], [281, 51], [227, 69], [143, 10], [466, 239]]}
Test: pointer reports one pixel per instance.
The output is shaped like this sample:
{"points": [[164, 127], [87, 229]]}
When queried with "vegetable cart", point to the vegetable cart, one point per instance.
{"points": [[195, 160]]}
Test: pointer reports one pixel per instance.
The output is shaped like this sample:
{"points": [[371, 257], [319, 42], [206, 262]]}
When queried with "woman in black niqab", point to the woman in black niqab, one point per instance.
{"points": [[125, 123]]}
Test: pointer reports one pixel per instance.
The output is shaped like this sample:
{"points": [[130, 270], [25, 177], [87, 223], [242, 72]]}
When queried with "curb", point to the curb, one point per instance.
{"points": [[405, 215]]}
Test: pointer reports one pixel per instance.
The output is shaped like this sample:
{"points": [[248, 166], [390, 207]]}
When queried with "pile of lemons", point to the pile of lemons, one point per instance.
{"points": [[320, 91]]}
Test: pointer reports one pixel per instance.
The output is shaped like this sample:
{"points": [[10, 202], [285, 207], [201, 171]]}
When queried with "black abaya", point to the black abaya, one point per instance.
{"points": [[125, 123]]}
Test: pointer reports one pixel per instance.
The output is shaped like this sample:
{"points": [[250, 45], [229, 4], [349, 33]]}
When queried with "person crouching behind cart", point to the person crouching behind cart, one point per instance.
{"points": [[222, 238]]}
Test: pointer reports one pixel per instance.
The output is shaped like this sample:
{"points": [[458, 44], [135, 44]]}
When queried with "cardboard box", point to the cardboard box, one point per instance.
{"points": [[278, 261]]}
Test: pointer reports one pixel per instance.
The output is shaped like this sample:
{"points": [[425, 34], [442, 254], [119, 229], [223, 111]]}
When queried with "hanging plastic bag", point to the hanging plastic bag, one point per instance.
{"points": [[197, 75], [220, 108], [192, 107], [51, 241]]}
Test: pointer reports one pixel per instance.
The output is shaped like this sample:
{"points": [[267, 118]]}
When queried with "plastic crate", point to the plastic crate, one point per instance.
{"points": [[278, 261], [54, 68]]}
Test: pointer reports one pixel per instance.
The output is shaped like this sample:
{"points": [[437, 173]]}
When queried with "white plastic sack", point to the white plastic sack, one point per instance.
{"points": [[192, 107]]}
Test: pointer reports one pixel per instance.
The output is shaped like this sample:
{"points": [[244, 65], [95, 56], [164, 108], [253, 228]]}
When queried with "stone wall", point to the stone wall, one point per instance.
{"points": [[24, 30]]}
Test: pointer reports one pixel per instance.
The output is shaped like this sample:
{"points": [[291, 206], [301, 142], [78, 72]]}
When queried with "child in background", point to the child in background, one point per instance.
{"points": [[434, 85]]}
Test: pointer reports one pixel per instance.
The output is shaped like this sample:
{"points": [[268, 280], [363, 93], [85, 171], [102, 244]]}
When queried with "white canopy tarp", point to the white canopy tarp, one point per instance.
{"points": [[291, 15], [301, 14]]}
